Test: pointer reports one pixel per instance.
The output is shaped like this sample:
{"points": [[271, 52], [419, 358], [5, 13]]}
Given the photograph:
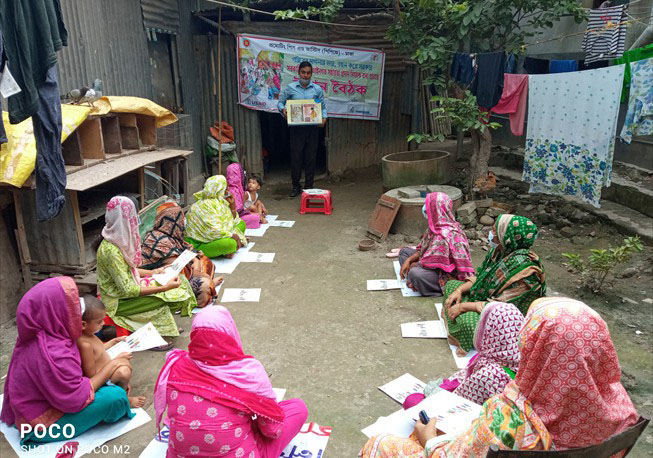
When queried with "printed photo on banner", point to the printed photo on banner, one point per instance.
{"points": [[352, 78]]}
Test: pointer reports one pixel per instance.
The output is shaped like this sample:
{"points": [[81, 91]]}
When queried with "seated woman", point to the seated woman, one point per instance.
{"points": [[220, 401], [497, 343], [129, 303], [510, 273], [442, 255], [210, 225], [45, 384], [165, 242], [567, 393], [236, 185]]}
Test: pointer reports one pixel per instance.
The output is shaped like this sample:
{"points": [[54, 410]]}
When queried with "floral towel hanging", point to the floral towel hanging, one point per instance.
{"points": [[572, 123], [639, 119]]}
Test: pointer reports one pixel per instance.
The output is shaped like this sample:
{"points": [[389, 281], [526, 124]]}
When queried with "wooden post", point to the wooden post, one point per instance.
{"points": [[74, 202], [141, 186], [21, 239], [220, 92]]}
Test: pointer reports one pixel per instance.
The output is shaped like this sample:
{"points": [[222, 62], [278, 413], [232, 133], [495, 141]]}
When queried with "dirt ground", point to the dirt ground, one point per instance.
{"points": [[324, 338]]}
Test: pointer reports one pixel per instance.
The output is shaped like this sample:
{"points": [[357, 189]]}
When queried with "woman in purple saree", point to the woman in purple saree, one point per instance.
{"points": [[45, 384]]}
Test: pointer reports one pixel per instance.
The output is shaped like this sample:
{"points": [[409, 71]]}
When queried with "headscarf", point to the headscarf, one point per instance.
{"points": [[569, 371], [121, 229], [216, 368], [45, 376], [497, 343], [444, 244], [510, 261], [166, 238], [210, 217], [235, 182]]}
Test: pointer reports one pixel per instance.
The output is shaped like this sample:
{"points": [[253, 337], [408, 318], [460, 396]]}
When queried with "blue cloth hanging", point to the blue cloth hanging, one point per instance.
{"points": [[563, 66]]}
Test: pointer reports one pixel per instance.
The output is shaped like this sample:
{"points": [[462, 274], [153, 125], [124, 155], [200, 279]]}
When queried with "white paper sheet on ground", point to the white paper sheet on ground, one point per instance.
{"points": [[252, 256], [280, 392], [453, 413], [400, 388], [405, 290], [260, 231], [143, 338], [241, 295], [310, 442], [88, 441], [424, 330], [462, 361], [173, 269], [279, 223], [438, 308], [158, 447], [227, 266], [217, 291], [382, 285], [399, 424]]}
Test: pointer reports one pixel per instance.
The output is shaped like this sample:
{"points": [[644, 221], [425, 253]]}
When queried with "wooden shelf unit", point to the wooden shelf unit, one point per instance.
{"points": [[63, 244]]}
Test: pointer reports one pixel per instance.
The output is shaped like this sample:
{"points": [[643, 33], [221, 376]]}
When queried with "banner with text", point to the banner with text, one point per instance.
{"points": [[352, 78]]}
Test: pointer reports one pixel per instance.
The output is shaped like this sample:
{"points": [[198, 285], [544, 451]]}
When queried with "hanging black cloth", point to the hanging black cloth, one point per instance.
{"points": [[488, 85]]}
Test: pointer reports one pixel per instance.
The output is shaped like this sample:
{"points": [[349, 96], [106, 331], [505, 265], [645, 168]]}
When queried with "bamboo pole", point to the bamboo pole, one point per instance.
{"points": [[220, 91]]}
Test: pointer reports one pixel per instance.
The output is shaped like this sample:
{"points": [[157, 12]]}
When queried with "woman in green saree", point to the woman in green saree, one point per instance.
{"points": [[510, 273]]}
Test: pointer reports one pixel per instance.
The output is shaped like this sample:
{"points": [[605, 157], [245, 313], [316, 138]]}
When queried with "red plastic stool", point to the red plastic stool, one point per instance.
{"points": [[120, 331], [316, 203]]}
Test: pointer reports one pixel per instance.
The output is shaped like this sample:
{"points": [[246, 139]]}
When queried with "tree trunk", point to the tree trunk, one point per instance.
{"points": [[482, 144]]}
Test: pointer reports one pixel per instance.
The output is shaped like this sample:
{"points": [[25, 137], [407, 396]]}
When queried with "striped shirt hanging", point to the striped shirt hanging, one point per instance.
{"points": [[606, 34]]}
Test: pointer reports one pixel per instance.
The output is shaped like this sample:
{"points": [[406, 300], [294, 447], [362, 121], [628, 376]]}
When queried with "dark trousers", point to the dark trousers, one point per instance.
{"points": [[303, 151], [50, 169]]}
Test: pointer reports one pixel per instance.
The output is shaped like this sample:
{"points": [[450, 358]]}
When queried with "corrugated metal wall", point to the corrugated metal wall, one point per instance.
{"points": [[245, 122], [106, 40], [161, 15]]}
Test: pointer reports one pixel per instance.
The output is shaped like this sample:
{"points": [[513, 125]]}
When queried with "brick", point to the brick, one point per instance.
{"points": [[409, 193], [466, 209], [469, 219], [493, 212], [485, 203]]}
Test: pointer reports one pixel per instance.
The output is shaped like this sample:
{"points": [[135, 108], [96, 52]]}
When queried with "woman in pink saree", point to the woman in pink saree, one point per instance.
{"points": [[442, 255], [220, 401]]}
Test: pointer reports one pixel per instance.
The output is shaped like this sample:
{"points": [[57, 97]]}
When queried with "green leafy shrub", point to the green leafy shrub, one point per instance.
{"points": [[601, 263]]}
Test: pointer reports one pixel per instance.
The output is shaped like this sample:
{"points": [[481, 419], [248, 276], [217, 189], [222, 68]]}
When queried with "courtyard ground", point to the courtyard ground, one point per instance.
{"points": [[324, 338]]}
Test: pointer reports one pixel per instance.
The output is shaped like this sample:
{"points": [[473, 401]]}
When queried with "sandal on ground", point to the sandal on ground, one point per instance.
{"points": [[166, 347]]}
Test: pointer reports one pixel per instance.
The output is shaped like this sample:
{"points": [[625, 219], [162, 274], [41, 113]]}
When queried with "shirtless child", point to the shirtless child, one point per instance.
{"points": [[252, 202], [94, 352]]}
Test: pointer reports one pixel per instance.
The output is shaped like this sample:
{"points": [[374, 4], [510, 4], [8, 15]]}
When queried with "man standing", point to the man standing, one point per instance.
{"points": [[303, 139]]}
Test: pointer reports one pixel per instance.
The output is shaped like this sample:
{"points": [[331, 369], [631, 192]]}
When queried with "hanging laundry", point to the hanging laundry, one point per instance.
{"points": [[513, 101], [631, 56], [25, 22], [639, 119], [488, 85], [570, 136], [535, 66], [563, 66], [462, 68], [606, 34], [582, 65], [511, 63]]}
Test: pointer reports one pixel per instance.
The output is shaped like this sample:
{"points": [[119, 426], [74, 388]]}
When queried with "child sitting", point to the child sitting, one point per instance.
{"points": [[94, 353], [252, 203]]}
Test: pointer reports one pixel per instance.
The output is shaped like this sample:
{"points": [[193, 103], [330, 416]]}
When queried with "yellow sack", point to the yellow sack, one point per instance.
{"points": [[136, 105], [18, 156]]}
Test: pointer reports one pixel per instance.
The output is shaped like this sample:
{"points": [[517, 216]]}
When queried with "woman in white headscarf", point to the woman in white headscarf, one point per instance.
{"points": [[132, 298]]}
